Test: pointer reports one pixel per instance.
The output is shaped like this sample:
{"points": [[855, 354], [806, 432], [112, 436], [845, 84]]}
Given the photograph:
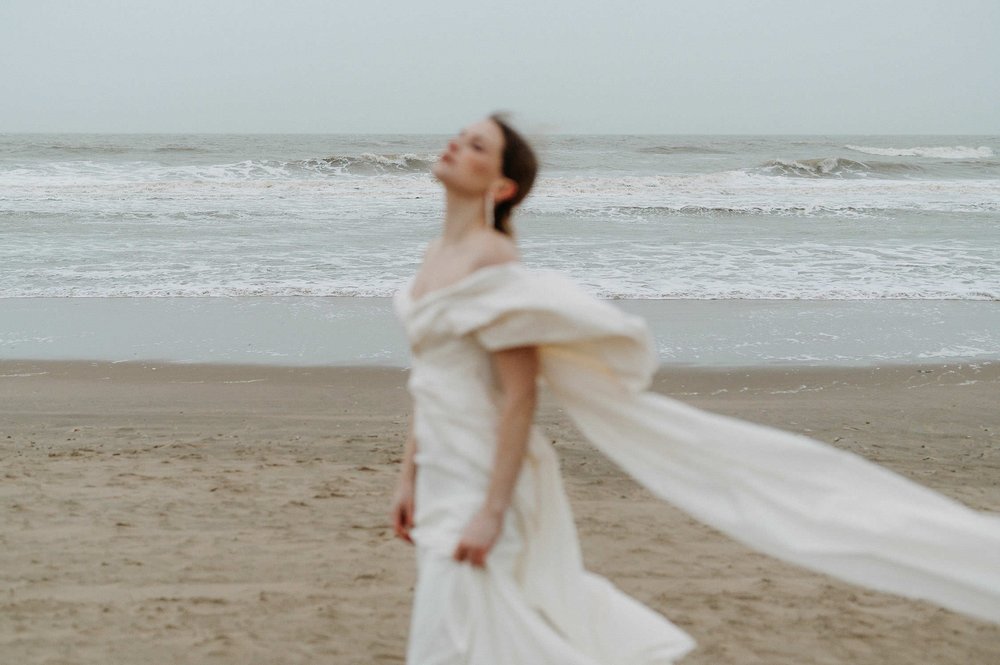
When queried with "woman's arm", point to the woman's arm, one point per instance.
{"points": [[402, 502], [516, 371]]}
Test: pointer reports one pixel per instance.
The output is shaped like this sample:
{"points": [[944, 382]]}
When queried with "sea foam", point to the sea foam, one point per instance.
{"points": [[742, 218]]}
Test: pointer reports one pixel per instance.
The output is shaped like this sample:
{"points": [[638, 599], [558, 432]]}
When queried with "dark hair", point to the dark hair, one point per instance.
{"points": [[520, 165]]}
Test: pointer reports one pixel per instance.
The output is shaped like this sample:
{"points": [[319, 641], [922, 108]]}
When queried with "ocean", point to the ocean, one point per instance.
{"points": [[871, 226]]}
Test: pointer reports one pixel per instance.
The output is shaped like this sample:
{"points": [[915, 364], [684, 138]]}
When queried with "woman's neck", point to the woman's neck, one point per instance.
{"points": [[462, 214]]}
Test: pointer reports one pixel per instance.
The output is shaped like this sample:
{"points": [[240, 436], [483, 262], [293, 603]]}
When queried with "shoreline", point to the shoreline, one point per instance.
{"points": [[13, 367], [238, 514], [345, 331]]}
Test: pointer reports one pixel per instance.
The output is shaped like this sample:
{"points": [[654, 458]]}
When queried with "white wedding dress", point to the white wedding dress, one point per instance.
{"points": [[781, 493]]}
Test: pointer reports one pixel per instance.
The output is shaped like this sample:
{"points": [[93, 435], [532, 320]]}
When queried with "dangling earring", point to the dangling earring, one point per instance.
{"points": [[490, 213]]}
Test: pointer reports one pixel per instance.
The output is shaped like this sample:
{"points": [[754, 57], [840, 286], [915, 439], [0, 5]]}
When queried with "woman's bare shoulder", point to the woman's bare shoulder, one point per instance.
{"points": [[494, 248]]}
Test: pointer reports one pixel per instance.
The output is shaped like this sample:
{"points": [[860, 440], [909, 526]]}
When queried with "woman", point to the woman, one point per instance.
{"points": [[500, 576]]}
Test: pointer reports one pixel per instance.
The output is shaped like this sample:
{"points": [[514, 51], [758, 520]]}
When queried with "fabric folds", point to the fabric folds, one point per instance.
{"points": [[787, 495]]}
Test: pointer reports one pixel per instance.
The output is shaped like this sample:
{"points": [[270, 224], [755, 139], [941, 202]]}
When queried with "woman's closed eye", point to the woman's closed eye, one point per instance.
{"points": [[475, 142]]}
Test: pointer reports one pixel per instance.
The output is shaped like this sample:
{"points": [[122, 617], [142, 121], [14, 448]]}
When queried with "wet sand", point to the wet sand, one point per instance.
{"points": [[237, 514]]}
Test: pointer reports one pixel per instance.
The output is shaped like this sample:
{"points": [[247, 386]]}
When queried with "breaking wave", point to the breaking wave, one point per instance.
{"points": [[369, 163], [834, 167]]}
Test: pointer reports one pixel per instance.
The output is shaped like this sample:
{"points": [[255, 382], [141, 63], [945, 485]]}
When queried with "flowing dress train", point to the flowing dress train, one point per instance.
{"points": [[781, 493]]}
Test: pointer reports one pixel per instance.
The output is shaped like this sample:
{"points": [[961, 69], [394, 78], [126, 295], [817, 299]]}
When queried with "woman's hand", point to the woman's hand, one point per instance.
{"points": [[402, 510], [479, 537]]}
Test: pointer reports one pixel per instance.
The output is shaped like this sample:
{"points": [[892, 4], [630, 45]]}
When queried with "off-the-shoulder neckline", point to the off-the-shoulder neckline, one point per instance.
{"points": [[444, 290]]}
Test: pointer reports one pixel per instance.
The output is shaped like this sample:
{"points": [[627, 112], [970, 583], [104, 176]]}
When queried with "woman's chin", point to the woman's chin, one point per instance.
{"points": [[440, 173]]}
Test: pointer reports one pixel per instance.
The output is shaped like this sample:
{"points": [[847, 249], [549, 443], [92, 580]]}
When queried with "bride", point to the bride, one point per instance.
{"points": [[500, 578]]}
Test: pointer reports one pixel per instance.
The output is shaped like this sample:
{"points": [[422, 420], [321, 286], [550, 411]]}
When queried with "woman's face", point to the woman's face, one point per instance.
{"points": [[472, 161]]}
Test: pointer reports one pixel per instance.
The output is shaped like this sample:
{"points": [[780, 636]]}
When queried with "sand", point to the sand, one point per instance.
{"points": [[238, 514]]}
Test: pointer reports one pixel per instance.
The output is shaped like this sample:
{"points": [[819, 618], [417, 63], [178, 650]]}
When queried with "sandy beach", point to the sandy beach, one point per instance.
{"points": [[166, 513]]}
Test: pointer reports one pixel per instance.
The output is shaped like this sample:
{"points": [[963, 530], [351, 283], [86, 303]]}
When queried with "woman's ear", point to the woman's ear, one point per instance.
{"points": [[506, 190]]}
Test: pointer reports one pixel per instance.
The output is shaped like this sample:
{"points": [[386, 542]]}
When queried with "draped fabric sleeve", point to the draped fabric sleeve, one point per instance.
{"points": [[784, 494], [572, 327]]}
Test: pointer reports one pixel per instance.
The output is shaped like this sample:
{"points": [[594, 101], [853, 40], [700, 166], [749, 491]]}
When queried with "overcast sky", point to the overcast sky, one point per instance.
{"points": [[587, 66]]}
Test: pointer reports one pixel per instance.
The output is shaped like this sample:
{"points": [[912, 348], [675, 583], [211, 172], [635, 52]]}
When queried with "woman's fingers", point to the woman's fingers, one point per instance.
{"points": [[478, 538], [397, 523], [407, 525], [475, 555], [409, 514], [402, 520], [399, 515]]}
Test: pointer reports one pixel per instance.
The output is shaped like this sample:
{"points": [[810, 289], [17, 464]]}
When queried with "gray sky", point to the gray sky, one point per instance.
{"points": [[686, 66]]}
